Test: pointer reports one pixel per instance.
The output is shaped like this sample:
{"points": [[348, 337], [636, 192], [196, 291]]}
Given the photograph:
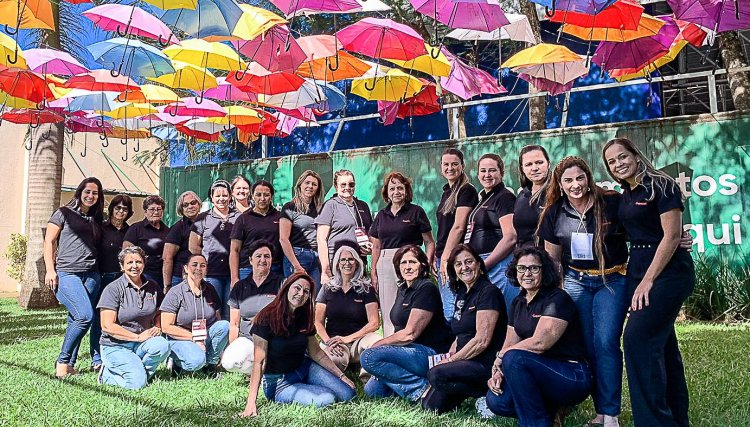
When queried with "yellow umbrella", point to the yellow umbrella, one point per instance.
{"points": [[254, 22], [394, 86], [630, 74], [131, 111], [648, 26], [174, 4], [438, 66], [543, 53], [152, 93], [206, 54], [9, 51], [8, 101], [27, 14], [187, 76], [238, 115]]}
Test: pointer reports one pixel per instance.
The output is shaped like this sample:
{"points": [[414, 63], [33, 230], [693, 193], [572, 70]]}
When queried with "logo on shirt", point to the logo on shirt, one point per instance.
{"points": [[406, 221], [536, 316], [359, 300], [641, 203]]}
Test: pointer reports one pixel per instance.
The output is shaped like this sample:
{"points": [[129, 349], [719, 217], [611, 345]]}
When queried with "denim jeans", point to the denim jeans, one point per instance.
{"points": [[223, 287], [190, 357], [309, 260], [602, 306], [107, 278], [310, 384], [248, 271], [79, 293], [402, 368], [176, 280], [498, 278], [131, 364], [446, 294], [159, 280], [534, 387]]}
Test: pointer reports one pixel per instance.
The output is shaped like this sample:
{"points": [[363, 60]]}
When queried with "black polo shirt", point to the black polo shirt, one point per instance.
{"points": [[250, 298], [110, 246], [467, 198], [493, 205], [136, 308], [77, 245], [215, 233], [151, 240], [642, 217], [179, 235], [252, 226], [404, 228], [285, 354], [423, 294], [304, 231], [180, 300], [526, 217], [562, 220], [482, 296], [346, 312], [549, 302]]}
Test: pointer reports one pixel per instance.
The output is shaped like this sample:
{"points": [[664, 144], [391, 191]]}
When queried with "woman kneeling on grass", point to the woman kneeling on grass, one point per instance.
{"points": [[131, 343], [282, 332]]}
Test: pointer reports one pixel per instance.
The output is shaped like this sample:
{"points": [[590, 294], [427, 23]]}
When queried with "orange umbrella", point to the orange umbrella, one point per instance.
{"points": [[349, 67], [26, 14], [647, 26]]}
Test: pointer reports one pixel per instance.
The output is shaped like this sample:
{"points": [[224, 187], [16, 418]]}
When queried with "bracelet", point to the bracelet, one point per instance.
{"points": [[341, 375]]}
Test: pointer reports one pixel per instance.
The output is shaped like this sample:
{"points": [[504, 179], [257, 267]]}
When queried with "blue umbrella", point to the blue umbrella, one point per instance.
{"points": [[138, 58], [335, 99], [590, 7], [210, 18], [97, 101]]}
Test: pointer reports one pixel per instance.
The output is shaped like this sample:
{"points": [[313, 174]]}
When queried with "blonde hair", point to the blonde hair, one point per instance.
{"points": [[299, 204]]}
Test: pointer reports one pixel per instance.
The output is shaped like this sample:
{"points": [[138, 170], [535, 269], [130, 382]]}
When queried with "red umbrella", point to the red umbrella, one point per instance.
{"points": [[100, 81], [257, 79], [32, 117], [24, 84], [623, 15], [275, 50], [382, 38], [424, 103], [202, 136]]}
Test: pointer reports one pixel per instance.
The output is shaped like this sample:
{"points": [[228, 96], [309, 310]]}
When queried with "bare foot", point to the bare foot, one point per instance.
{"points": [[62, 370]]}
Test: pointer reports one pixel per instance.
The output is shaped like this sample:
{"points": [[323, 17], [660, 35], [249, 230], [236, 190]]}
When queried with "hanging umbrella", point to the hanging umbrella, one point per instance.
{"points": [[94, 101], [130, 111], [205, 55], [87, 125], [13, 102], [394, 86], [548, 67], [311, 7], [636, 53], [319, 46], [190, 107], [647, 26], [592, 7], [349, 67], [623, 14], [130, 20], [208, 18], [335, 99], [137, 58], [52, 61], [467, 82], [718, 15], [435, 63], [31, 117], [224, 91], [257, 79], [138, 123], [154, 94], [424, 103], [171, 4], [482, 15], [100, 80], [187, 76], [275, 50], [518, 29], [201, 130], [307, 94], [254, 22], [25, 84], [10, 54], [26, 14], [238, 115], [382, 38]]}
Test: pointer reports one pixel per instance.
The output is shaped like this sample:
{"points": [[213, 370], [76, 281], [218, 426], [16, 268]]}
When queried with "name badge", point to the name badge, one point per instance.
{"points": [[362, 239], [434, 360], [469, 230], [200, 332], [582, 246]]}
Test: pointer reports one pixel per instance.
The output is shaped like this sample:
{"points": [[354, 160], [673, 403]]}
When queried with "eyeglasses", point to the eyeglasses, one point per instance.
{"points": [[522, 269], [121, 208], [347, 184], [154, 210], [347, 260], [191, 203]]}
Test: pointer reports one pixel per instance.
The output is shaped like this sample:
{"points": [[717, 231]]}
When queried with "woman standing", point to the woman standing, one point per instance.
{"points": [[346, 313], [533, 172], [259, 223], [297, 231], [288, 358], [240, 189], [70, 257], [176, 244], [132, 345], [119, 211], [149, 235], [210, 236], [490, 224], [660, 276], [582, 233], [458, 199], [399, 224], [343, 219]]}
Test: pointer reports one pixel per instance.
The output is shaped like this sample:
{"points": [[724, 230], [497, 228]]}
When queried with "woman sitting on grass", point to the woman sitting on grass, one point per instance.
{"points": [[287, 356], [131, 343]]}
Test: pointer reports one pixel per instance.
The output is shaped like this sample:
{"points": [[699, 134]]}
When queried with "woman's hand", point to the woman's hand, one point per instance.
{"points": [[299, 269], [444, 274], [640, 297], [250, 411], [335, 346], [365, 249], [325, 277], [686, 241], [348, 382], [374, 279], [50, 279], [201, 344], [495, 383]]}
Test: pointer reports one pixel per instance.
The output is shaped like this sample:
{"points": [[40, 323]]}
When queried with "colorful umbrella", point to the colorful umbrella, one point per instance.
{"points": [[647, 26], [52, 61], [26, 14], [623, 14], [435, 63], [208, 18], [94, 101], [519, 29], [224, 91], [718, 15], [481, 15], [131, 111], [138, 58], [10, 54], [347, 67], [150, 93], [592, 7], [188, 76], [13, 102], [191, 107], [467, 82], [25, 84], [382, 38], [172, 4], [319, 46], [32, 117], [130, 20], [100, 80], [257, 79], [201, 130], [424, 103], [334, 99], [307, 94], [275, 50], [636, 53], [206, 54], [253, 22], [238, 115], [394, 86], [311, 7], [548, 67]]}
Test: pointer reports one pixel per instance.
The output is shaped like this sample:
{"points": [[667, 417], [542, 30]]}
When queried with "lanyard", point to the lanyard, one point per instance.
{"points": [[357, 223], [479, 206], [582, 216], [195, 306]]}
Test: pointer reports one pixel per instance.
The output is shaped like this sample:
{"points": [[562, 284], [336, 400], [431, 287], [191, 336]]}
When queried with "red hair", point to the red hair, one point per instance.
{"points": [[279, 316]]}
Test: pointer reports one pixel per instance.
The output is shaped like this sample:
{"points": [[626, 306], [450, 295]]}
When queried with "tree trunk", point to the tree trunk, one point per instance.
{"points": [[537, 106], [733, 57]]}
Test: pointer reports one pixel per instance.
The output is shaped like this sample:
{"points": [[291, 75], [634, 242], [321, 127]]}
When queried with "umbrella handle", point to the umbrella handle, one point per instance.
{"points": [[48, 133], [116, 73], [38, 123], [125, 157], [123, 99], [381, 120], [550, 12], [737, 9], [123, 33], [137, 147], [171, 113], [15, 56], [370, 89], [331, 67], [10, 32], [435, 55], [104, 138], [99, 122], [288, 43], [166, 43], [563, 108], [39, 106], [85, 147], [67, 130], [28, 146], [198, 100]]}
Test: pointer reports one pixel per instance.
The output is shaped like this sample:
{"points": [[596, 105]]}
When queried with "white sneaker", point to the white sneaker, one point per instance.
{"points": [[610, 421], [482, 409]]}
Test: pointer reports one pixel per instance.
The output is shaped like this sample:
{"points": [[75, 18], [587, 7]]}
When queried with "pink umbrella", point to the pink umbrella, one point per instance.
{"points": [[226, 92], [130, 20], [191, 107], [319, 46], [311, 7], [275, 50], [388, 111], [52, 61], [467, 82], [87, 124], [166, 117], [480, 15], [382, 38], [717, 15]]}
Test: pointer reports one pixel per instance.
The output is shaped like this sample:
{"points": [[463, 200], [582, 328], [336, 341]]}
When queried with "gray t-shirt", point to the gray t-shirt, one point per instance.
{"points": [[250, 299], [181, 301], [304, 231], [136, 308], [216, 234], [343, 220], [78, 241]]}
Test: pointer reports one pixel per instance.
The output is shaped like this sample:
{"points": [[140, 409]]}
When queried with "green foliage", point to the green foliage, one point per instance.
{"points": [[16, 254], [722, 289]]}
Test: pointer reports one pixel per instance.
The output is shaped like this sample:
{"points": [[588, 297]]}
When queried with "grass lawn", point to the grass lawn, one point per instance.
{"points": [[716, 357]]}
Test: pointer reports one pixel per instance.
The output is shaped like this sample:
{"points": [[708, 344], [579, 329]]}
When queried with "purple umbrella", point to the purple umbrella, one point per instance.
{"points": [[466, 81], [719, 15], [276, 50], [226, 92], [480, 15], [636, 53], [51, 61], [591, 7]]}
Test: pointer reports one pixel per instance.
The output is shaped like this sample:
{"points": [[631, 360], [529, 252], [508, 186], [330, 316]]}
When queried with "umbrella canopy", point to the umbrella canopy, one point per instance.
{"points": [[311, 7], [191, 107], [275, 50], [481, 15], [129, 20], [94, 101], [435, 63], [636, 53], [253, 22], [335, 99], [131, 111], [424, 103], [319, 46], [647, 26], [382, 38], [138, 123], [27, 14], [100, 80], [208, 18], [25, 84], [187, 76], [348, 67], [7, 101], [206, 55], [132, 57], [52, 61], [467, 82], [307, 94], [518, 29], [10, 54], [224, 91], [88, 125], [201, 130], [394, 86], [718, 15], [171, 4], [150, 93], [238, 115], [592, 7], [257, 79], [624, 14], [32, 117]]}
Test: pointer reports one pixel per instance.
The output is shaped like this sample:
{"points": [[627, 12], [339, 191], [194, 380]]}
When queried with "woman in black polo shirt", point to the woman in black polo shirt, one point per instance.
{"points": [[542, 365], [70, 257], [346, 313], [582, 233], [259, 223], [119, 211], [149, 235], [660, 277], [176, 244], [399, 224], [131, 343], [533, 172], [489, 227], [479, 324], [458, 199], [399, 363], [287, 355], [248, 297]]}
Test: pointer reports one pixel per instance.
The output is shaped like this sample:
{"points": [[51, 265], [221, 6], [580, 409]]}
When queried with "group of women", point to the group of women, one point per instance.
{"points": [[519, 301]]}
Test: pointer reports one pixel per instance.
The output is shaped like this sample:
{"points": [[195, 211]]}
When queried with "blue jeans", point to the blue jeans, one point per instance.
{"points": [[176, 280], [131, 364], [498, 278], [248, 271], [107, 278], [534, 387], [223, 287], [310, 384], [309, 260], [446, 294], [602, 309], [159, 280], [79, 293], [190, 357], [402, 368]]}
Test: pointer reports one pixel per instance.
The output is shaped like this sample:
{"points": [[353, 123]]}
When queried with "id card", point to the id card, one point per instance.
{"points": [[434, 360], [469, 230], [362, 239], [200, 332], [582, 246]]}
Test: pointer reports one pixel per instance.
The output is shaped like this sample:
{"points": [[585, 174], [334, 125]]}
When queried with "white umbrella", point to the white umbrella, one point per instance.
{"points": [[518, 30], [307, 94]]}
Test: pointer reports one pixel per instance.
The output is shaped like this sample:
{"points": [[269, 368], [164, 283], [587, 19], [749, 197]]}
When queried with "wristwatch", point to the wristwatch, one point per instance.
{"points": [[499, 356]]}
